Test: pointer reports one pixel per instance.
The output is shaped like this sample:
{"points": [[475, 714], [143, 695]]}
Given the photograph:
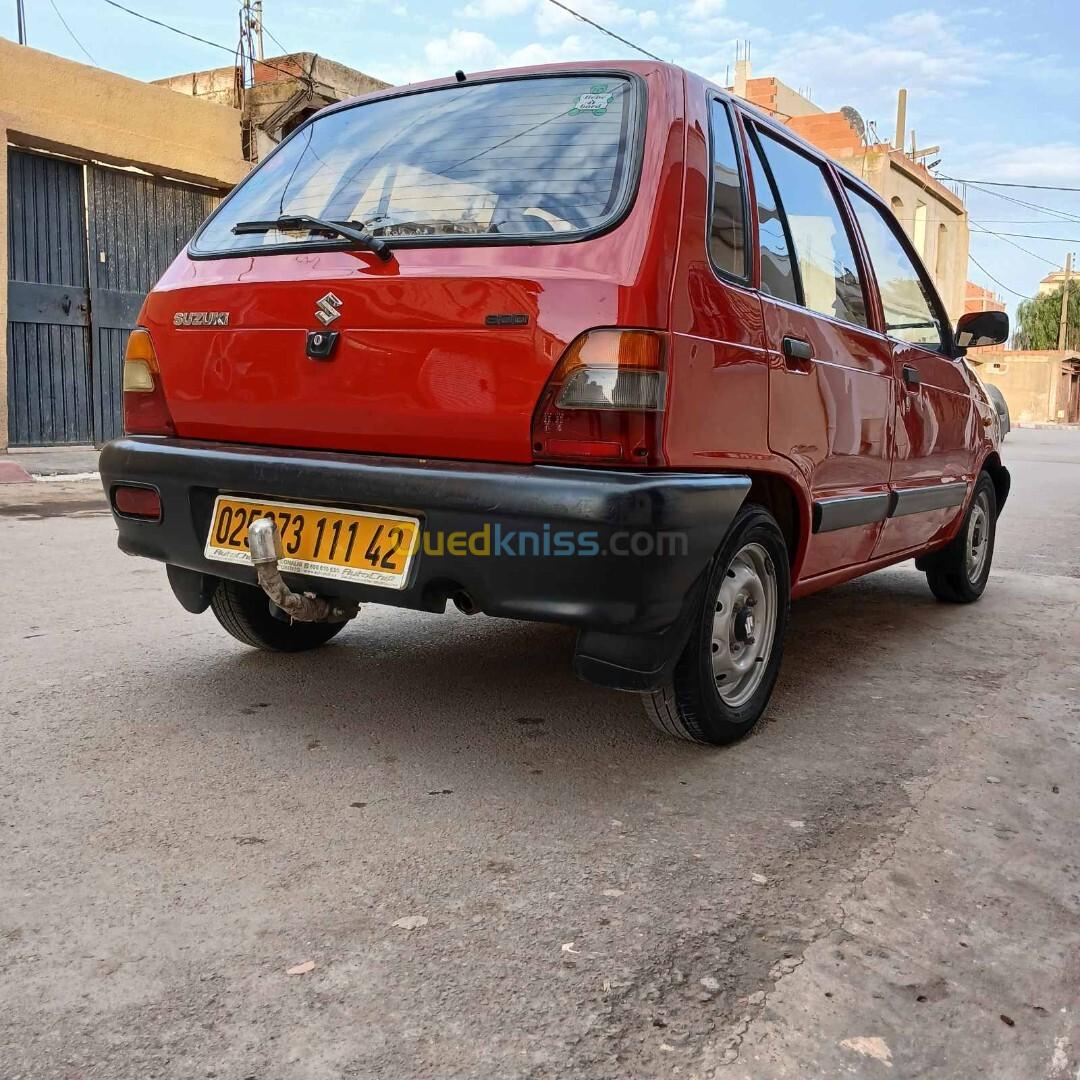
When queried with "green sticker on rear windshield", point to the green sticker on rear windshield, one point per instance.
{"points": [[596, 101]]}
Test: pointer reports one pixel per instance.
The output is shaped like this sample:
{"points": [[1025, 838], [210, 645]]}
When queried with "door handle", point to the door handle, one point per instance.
{"points": [[797, 353], [912, 378]]}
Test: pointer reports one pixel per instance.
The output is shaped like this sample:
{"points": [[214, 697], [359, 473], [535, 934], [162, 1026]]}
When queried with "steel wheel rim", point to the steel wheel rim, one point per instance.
{"points": [[978, 538], [744, 625]]}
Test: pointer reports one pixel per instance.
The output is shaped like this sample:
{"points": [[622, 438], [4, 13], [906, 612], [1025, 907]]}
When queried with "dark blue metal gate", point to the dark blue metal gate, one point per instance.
{"points": [[48, 331], [138, 224], [86, 243]]}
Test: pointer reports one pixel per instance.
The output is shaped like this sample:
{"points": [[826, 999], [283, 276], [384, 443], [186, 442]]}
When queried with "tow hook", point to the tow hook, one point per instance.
{"points": [[264, 544]]}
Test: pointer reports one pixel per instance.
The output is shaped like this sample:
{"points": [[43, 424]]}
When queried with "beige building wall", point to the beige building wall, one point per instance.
{"points": [[932, 216], [1038, 384], [57, 105]]}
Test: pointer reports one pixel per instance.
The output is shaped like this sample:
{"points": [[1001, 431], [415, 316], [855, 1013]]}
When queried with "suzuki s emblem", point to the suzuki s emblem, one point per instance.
{"points": [[326, 310]]}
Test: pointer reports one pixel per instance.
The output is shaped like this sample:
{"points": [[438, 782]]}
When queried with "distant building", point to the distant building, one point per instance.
{"points": [[1054, 280], [1040, 386], [102, 181], [286, 90], [976, 298], [933, 216]]}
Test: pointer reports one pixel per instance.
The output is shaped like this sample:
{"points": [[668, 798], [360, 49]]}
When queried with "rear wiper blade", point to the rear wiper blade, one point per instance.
{"points": [[289, 222]]}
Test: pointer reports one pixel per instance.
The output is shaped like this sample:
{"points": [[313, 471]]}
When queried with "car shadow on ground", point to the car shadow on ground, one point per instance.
{"points": [[471, 700]]}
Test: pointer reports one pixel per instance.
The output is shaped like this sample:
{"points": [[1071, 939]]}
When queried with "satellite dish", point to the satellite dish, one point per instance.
{"points": [[852, 116]]}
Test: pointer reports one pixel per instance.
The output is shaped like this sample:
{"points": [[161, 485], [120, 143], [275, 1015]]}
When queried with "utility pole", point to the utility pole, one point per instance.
{"points": [[901, 119], [20, 11], [257, 23], [1063, 325]]}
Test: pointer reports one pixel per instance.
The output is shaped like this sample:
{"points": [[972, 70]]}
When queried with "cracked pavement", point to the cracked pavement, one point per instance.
{"points": [[498, 871]]}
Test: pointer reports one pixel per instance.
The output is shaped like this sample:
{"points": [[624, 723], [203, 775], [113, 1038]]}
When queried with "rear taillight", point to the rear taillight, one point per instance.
{"points": [[604, 402], [145, 409]]}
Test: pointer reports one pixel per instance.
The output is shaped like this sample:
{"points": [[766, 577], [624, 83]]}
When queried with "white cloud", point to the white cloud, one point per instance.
{"points": [[570, 48], [495, 9], [553, 20], [460, 49], [704, 9], [473, 51], [921, 25], [1048, 163]]}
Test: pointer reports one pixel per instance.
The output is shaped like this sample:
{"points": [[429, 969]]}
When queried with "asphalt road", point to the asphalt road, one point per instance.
{"points": [[884, 880]]}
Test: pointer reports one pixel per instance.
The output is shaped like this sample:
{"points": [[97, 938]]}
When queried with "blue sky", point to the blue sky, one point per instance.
{"points": [[994, 84]]}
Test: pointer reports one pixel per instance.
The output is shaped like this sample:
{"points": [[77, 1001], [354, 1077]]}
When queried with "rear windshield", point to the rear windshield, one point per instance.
{"points": [[536, 158]]}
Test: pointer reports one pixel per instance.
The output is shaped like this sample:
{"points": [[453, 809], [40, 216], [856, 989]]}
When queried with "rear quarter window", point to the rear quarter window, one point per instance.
{"points": [[538, 158]]}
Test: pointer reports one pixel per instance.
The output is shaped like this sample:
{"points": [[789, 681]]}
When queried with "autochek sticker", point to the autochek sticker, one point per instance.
{"points": [[596, 101]]}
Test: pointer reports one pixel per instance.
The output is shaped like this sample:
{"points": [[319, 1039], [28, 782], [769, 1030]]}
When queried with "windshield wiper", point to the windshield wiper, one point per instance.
{"points": [[290, 222]]}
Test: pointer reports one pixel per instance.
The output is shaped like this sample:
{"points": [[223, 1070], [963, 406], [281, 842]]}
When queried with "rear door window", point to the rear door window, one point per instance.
{"points": [[536, 158], [777, 267], [911, 314], [727, 221], [828, 270]]}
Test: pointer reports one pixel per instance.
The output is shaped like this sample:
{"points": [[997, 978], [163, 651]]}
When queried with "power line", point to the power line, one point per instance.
{"points": [[270, 34], [1003, 183], [1034, 236], [1017, 221], [1001, 236], [1064, 214], [605, 30], [217, 45], [1001, 284], [71, 32], [175, 30]]}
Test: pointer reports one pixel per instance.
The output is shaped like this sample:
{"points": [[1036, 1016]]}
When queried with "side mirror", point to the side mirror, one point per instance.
{"points": [[982, 328]]}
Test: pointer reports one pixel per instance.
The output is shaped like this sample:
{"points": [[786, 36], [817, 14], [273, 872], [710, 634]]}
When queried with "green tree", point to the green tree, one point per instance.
{"points": [[1038, 319]]}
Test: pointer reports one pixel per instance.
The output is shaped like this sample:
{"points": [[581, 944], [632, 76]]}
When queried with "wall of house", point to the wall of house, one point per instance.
{"points": [[285, 89], [1027, 379], [976, 298], [48, 103], [931, 215]]}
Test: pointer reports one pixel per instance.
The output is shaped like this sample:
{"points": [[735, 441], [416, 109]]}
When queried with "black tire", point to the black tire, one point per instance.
{"points": [[244, 611], [958, 573], [692, 705]]}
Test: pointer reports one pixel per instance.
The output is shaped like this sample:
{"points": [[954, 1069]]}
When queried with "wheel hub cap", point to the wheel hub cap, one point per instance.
{"points": [[978, 538], [744, 624]]}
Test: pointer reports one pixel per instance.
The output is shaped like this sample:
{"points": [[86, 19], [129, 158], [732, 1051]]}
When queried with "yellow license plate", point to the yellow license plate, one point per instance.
{"points": [[347, 545]]}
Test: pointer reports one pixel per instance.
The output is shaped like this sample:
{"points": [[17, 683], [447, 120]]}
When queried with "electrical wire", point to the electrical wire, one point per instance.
{"points": [[175, 30], [1034, 236], [1063, 214], [1003, 183], [605, 30], [215, 44], [72, 34], [1000, 284], [269, 33], [1001, 236]]}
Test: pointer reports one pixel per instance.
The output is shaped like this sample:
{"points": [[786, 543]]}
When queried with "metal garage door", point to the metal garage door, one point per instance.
{"points": [[138, 224], [86, 243], [48, 336]]}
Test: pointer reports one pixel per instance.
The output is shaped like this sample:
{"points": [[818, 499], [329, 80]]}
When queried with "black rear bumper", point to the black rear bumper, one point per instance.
{"points": [[643, 540]]}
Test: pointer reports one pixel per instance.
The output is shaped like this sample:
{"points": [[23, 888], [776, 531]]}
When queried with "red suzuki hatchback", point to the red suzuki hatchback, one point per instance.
{"points": [[592, 344]]}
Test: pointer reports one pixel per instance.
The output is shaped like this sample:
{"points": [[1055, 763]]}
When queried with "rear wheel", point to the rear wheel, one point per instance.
{"points": [[725, 676], [244, 611], [958, 573]]}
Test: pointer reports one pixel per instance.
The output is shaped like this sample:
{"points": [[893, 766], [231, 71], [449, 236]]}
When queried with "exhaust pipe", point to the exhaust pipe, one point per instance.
{"points": [[264, 543], [464, 602]]}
